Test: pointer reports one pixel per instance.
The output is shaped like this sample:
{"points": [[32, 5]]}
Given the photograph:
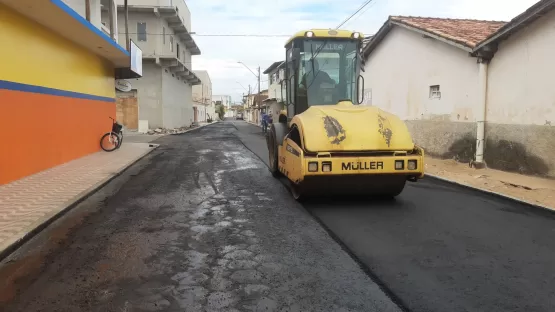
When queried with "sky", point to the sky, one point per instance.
{"points": [[282, 18]]}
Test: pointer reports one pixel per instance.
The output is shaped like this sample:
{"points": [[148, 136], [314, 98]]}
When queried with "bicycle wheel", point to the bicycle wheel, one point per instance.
{"points": [[109, 142]]}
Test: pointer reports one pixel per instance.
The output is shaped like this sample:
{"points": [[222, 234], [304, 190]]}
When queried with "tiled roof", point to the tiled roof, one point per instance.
{"points": [[540, 9], [366, 41], [463, 31]]}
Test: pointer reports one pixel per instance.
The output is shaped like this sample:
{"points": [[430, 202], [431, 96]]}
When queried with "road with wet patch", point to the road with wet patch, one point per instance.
{"points": [[439, 247], [197, 225]]}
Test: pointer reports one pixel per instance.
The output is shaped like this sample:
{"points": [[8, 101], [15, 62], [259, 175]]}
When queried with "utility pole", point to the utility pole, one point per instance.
{"points": [[258, 95], [259, 81], [248, 104], [127, 42]]}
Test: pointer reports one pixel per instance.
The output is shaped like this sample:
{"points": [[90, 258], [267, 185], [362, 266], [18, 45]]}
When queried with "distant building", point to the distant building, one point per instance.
{"points": [[274, 103], [202, 97], [225, 100], [163, 97]]}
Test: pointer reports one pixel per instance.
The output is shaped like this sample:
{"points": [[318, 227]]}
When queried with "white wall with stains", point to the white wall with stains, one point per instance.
{"points": [[400, 71], [521, 81]]}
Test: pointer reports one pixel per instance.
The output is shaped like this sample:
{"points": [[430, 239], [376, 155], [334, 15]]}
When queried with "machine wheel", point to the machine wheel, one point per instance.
{"points": [[395, 190], [297, 192], [273, 139]]}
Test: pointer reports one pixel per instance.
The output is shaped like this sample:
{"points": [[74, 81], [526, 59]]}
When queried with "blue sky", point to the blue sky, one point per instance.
{"points": [[263, 17]]}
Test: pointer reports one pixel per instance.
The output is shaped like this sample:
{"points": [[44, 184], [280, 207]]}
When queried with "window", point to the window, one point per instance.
{"points": [[434, 92], [171, 43], [178, 51], [141, 31], [327, 72], [290, 90], [164, 35]]}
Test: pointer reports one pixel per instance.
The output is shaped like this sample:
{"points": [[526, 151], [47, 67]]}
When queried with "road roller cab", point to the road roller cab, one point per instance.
{"points": [[323, 142]]}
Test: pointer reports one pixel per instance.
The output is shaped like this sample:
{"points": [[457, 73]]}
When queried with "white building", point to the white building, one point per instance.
{"points": [[202, 98], [226, 101], [478, 91], [163, 96], [274, 103]]}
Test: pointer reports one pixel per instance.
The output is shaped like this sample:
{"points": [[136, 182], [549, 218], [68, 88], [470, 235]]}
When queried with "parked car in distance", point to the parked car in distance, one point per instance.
{"points": [[239, 116]]}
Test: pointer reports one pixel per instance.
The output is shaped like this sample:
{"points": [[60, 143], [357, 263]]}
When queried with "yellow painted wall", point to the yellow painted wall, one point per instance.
{"points": [[31, 54]]}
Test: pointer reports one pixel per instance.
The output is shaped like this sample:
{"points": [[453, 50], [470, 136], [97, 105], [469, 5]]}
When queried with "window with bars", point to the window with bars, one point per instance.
{"points": [[435, 92]]}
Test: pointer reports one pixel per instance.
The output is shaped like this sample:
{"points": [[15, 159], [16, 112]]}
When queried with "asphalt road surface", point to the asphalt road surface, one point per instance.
{"points": [[198, 225], [440, 247]]}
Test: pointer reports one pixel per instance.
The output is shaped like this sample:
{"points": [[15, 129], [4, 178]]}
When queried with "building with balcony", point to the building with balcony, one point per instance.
{"points": [[163, 97], [202, 98], [274, 103], [57, 81]]}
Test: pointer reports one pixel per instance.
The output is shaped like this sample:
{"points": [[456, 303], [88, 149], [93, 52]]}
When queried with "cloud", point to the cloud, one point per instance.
{"points": [[220, 55]]}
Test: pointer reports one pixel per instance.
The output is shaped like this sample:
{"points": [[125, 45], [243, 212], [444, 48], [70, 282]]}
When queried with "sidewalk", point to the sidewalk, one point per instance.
{"points": [[535, 190], [27, 204]]}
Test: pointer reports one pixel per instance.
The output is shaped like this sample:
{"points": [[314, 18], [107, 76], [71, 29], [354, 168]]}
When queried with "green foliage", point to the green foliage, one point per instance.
{"points": [[220, 110]]}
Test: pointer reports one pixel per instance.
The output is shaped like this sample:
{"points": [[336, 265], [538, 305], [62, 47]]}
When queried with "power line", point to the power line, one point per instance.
{"points": [[313, 57], [215, 35], [212, 35], [351, 16], [361, 14]]}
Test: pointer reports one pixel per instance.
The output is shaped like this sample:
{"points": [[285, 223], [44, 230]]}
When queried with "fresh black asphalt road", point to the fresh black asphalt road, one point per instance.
{"points": [[201, 225], [440, 247], [198, 225]]}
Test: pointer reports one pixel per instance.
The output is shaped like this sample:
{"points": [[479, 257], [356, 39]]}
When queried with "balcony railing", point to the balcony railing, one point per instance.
{"points": [[154, 45], [179, 5]]}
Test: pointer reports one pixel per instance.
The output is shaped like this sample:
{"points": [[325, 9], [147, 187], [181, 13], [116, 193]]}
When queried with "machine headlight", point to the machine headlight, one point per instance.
{"points": [[399, 165], [312, 166], [356, 35], [326, 166], [309, 34], [412, 164]]}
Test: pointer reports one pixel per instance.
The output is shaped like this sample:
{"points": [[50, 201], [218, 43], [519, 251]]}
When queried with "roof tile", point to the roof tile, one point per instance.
{"points": [[467, 32]]}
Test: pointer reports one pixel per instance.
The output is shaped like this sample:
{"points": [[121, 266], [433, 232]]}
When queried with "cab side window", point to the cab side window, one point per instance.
{"points": [[290, 82]]}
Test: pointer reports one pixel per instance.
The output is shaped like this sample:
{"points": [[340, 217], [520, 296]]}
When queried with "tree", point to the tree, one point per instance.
{"points": [[220, 110]]}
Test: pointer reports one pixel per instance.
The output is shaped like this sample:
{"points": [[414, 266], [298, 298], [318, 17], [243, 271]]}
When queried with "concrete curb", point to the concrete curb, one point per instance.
{"points": [[165, 134], [199, 127], [492, 193], [40, 225]]}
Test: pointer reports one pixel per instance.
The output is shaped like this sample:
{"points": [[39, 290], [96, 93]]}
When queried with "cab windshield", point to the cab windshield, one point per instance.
{"points": [[327, 72]]}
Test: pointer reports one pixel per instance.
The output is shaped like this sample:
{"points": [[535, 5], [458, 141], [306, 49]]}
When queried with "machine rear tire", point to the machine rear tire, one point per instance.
{"points": [[274, 137]]}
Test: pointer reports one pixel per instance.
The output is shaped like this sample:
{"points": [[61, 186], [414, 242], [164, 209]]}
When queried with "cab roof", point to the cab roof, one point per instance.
{"points": [[325, 33]]}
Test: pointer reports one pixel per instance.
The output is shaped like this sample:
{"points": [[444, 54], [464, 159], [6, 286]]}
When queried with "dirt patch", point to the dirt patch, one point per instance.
{"points": [[532, 189]]}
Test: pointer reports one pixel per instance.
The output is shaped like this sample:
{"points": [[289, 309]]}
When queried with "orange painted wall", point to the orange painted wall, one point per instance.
{"points": [[55, 98], [40, 131]]}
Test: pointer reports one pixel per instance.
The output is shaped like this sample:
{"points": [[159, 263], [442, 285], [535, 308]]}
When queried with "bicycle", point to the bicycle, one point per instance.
{"points": [[116, 135]]}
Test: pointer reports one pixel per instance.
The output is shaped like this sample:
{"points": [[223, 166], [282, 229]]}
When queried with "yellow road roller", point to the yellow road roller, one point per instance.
{"points": [[324, 142]]}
